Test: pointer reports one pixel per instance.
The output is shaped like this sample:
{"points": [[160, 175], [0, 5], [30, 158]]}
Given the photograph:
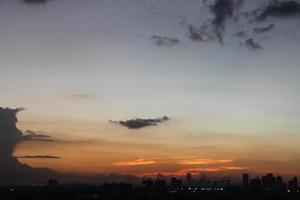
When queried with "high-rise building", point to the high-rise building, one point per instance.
{"points": [[176, 183], [255, 183], [160, 184], [52, 183], [269, 181], [189, 179], [293, 185], [148, 184], [245, 180], [279, 182]]}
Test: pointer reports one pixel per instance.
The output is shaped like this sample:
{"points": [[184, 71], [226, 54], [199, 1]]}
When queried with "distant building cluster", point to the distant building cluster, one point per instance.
{"points": [[270, 182], [266, 183], [162, 188]]}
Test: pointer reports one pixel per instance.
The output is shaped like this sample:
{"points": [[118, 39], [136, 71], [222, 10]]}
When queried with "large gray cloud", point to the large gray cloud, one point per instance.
{"points": [[237, 15], [213, 29], [280, 9], [11, 170], [222, 9], [141, 123]]}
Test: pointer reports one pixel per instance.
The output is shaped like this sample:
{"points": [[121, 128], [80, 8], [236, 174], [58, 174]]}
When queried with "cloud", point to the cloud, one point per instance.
{"points": [[263, 29], [280, 9], [240, 34], [203, 161], [11, 171], [35, 1], [212, 30], [215, 169], [39, 157], [233, 168], [207, 169], [31, 135], [202, 34], [222, 10], [37, 135], [164, 41], [140, 123], [251, 44], [239, 19], [134, 163]]}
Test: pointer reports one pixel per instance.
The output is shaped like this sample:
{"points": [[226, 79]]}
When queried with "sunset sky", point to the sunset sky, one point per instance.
{"points": [[82, 68]]}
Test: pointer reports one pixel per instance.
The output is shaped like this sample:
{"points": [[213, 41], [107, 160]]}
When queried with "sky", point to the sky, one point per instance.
{"points": [[153, 86]]}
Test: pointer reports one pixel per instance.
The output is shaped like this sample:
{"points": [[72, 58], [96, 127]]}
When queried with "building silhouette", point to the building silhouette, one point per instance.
{"points": [[176, 183], [189, 179], [268, 182], [293, 185], [245, 180], [255, 184], [148, 184]]}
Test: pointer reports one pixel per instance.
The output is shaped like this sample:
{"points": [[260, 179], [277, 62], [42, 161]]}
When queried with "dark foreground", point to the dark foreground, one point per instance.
{"points": [[130, 192]]}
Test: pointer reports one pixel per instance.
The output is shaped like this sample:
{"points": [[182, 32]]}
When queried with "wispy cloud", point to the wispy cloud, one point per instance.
{"points": [[31, 135], [164, 41], [233, 168], [39, 157], [259, 30], [135, 163], [37, 135], [252, 45], [204, 161], [199, 170]]}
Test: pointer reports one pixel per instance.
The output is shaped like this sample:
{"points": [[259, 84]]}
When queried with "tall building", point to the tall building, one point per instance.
{"points": [[269, 182], [160, 184], [245, 180], [255, 183], [279, 182], [52, 183], [293, 185], [176, 183], [148, 184], [189, 179]]}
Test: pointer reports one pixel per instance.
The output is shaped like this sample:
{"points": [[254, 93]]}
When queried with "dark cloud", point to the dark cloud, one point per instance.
{"points": [[251, 44], [201, 34], [35, 1], [263, 29], [213, 30], [164, 41], [37, 135], [141, 123], [12, 171], [205, 33], [280, 9], [222, 10], [31, 135], [241, 19], [39, 157], [240, 34]]}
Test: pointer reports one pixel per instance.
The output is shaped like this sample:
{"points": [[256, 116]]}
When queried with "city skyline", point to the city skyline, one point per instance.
{"points": [[147, 87]]}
